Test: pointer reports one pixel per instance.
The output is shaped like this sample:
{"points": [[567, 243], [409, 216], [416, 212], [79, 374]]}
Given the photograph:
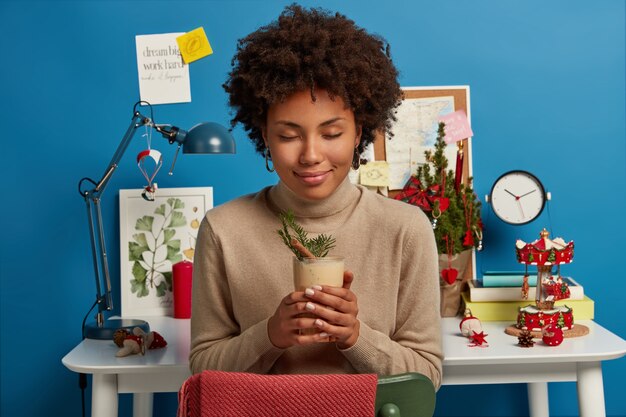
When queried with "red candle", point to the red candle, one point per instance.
{"points": [[182, 272]]}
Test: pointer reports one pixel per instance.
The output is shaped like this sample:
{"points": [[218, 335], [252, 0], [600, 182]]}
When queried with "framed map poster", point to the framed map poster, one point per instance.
{"points": [[415, 131], [155, 235]]}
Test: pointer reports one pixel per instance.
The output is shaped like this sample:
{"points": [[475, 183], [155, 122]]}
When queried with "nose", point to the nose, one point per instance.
{"points": [[311, 152]]}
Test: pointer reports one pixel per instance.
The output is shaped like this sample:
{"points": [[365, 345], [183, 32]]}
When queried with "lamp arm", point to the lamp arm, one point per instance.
{"points": [[137, 121], [104, 298]]}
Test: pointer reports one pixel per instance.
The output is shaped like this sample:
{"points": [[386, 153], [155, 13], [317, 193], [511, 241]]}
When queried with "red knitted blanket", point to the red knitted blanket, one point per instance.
{"points": [[233, 394]]}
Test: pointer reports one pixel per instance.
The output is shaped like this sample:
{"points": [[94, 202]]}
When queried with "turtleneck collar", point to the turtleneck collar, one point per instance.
{"points": [[345, 195]]}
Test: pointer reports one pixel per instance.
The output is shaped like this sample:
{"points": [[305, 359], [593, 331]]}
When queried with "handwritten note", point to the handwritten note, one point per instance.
{"points": [[194, 45], [163, 76], [457, 126], [375, 174]]}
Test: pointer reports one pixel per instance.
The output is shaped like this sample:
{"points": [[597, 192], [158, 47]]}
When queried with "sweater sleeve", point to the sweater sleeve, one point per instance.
{"points": [[217, 341], [415, 345]]}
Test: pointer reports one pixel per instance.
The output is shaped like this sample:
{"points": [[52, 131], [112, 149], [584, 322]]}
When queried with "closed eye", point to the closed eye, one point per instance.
{"points": [[333, 136]]}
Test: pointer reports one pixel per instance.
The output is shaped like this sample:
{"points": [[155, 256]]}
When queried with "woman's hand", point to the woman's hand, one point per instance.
{"points": [[284, 326], [339, 322]]}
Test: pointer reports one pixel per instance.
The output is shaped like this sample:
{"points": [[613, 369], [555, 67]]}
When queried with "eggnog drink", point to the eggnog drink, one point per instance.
{"points": [[317, 271]]}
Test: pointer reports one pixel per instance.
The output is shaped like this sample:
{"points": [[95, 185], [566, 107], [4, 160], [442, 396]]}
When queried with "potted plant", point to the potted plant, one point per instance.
{"points": [[454, 211]]}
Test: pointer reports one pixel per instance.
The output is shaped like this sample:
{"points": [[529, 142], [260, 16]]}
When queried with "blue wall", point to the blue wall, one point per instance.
{"points": [[547, 95]]}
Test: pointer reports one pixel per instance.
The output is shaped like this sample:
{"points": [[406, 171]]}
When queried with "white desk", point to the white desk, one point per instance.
{"points": [[164, 370]]}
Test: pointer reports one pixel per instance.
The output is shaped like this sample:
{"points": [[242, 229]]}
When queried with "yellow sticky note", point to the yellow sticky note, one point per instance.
{"points": [[194, 45], [375, 174]]}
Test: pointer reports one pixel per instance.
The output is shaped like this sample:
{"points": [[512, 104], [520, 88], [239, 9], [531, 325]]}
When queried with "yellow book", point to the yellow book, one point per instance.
{"points": [[507, 310]]}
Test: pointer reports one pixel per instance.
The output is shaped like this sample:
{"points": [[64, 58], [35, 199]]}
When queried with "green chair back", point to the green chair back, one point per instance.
{"points": [[405, 395]]}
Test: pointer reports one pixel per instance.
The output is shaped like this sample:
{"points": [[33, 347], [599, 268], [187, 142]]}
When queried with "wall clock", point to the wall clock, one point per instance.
{"points": [[517, 197]]}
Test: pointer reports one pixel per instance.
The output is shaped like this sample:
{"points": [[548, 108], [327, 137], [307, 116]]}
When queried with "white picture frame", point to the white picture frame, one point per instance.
{"points": [[154, 235]]}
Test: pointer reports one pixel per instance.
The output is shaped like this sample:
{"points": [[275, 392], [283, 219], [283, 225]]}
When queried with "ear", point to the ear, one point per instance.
{"points": [[359, 131]]}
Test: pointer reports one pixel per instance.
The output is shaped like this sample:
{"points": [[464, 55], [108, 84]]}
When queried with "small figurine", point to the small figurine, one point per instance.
{"points": [[472, 328], [552, 335], [525, 288], [470, 324], [137, 342]]}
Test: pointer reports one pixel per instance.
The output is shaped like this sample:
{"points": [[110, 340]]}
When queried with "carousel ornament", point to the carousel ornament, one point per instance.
{"points": [[545, 254]]}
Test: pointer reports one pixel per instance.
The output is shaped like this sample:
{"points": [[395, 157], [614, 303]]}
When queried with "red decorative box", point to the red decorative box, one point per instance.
{"points": [[533, 319]]}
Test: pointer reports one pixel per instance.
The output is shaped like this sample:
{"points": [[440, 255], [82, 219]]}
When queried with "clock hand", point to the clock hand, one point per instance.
{"points": [[530, 192], [519, 204], [516, 197]]}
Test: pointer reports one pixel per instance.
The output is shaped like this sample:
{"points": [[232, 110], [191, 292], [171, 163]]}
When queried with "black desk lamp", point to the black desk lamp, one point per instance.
{"points": [[209, 137]]}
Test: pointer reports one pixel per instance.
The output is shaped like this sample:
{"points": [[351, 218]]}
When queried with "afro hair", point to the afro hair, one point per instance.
{"points": [[308, 50]]}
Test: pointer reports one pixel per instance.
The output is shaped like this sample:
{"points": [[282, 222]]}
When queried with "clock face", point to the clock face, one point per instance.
{"points": [[517, 197]]}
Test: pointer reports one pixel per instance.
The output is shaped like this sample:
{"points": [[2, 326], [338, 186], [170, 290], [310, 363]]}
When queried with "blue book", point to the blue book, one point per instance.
{"points": [[507, 279]]}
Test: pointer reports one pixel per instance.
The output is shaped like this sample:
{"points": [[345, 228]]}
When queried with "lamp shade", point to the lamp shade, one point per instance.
{"points": [[208, 137]]}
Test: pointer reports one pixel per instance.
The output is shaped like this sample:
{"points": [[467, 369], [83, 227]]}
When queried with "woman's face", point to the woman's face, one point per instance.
{"points": [[311, 142]]}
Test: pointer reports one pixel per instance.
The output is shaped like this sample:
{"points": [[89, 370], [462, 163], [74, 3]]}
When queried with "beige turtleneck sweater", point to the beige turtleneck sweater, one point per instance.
{"points": [[242, 270]]}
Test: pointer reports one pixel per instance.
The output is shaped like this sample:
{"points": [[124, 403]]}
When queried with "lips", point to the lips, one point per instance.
{"points": [[312, 178]]}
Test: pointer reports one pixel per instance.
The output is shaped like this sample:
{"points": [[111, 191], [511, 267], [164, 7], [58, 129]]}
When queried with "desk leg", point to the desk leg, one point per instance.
{"points": [[104, 395], [590, 389], [538, 403], [142, 404]]}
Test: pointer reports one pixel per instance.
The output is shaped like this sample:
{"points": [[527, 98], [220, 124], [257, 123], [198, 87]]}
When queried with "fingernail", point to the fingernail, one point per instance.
{"points": [[324, 334], [310, 306], [319, 323], [317, 287], [309, 292]]}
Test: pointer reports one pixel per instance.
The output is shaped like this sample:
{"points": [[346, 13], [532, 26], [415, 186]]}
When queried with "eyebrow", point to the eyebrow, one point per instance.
{"points": [[295, 125]]}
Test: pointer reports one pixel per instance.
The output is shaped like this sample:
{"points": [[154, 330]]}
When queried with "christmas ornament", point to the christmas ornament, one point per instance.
{"points": [[458, 172], [471, 328], [470, 324], [478, 339], [137, 342], [424, 197], [525, 339], [545, 253], [150, 189], [119, 335], [468, 240], [449, 274], [478, 230], [525, 287], [558, 289], [552, 335]]}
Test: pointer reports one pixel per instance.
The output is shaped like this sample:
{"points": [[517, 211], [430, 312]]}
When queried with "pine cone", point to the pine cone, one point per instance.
{"points": [[119, 336], [525, 339]]}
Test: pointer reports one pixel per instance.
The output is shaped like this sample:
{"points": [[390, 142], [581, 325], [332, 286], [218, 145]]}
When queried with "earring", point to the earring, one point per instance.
{"points": [[356, 159], [268, 158]]}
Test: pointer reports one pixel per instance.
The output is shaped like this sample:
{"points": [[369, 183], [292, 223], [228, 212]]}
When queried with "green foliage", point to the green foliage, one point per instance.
{"points": [[154, 250], [451, 224], [319, 246]]}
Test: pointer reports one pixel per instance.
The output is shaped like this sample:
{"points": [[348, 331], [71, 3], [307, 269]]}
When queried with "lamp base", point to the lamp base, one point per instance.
{"points": [[108, 328]]}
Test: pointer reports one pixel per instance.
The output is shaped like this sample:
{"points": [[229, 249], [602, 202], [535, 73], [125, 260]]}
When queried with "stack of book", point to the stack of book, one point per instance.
{"points": [[498, 297]]}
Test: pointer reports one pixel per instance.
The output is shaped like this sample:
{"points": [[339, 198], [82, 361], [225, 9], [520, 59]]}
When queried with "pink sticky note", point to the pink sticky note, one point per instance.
{"points": [[457, 126]]}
